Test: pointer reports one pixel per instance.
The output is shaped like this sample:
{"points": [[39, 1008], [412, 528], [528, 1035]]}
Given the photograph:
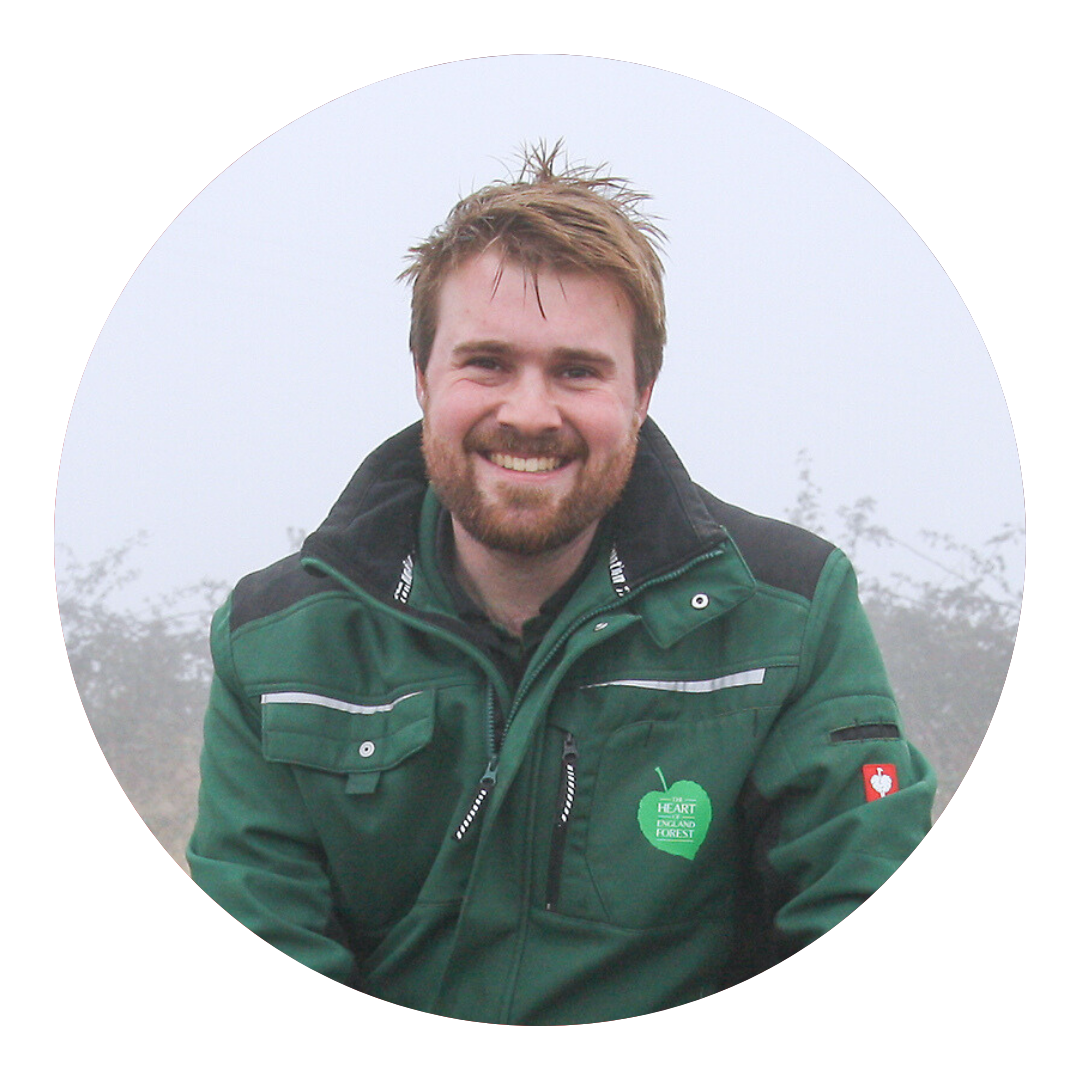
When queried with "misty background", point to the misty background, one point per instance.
{"points": [[820, 368]]}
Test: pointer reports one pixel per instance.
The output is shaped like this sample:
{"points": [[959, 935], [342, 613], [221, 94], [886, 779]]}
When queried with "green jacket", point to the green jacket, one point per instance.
{"points": [[684, 788]]}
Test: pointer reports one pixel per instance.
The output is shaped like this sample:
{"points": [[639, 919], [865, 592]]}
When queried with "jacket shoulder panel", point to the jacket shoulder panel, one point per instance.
{"points": [[274, 589], [778, 554]]}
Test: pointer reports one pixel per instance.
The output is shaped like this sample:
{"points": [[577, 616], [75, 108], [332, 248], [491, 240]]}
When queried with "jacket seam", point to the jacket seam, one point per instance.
{"points": [[221, 649], [346, 694], [816, 611], [263, 621], [658, 928], [779, 593]]}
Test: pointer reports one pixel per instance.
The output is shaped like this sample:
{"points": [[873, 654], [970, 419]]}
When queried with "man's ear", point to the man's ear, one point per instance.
{"points": [[641, 410], [421, 386]]}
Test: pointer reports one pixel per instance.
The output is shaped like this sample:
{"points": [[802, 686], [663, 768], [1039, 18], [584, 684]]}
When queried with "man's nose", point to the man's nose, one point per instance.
{"points": [[529, 405]]}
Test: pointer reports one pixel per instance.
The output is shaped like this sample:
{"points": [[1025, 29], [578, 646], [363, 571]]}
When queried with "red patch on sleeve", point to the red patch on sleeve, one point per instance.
{"points": [[879, 781]]}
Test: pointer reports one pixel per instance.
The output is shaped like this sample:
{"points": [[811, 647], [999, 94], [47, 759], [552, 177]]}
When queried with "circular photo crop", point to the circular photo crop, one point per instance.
{"points": [[540, 540]]}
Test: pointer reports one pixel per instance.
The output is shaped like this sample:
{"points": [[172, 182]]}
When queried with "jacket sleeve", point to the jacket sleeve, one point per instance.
{"points": [[254, 849], [822, 836]]}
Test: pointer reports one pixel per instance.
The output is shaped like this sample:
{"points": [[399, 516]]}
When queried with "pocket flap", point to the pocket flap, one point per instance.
{"points": [[335, 735]]}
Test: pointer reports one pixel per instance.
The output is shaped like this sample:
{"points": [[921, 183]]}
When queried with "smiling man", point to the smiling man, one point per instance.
{"points": [[534, 729], [531, 416]]}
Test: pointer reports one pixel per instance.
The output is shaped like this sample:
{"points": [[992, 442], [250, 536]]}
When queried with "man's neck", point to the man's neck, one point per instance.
{"points": [[512, 588]]}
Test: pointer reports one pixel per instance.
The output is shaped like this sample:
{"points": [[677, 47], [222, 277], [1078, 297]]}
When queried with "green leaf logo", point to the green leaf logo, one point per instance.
{"points": [[676, 819]]}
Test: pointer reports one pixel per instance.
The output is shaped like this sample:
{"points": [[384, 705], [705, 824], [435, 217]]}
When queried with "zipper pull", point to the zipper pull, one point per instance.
{"points": [[569, 779], [567, 790], [487, 782]]}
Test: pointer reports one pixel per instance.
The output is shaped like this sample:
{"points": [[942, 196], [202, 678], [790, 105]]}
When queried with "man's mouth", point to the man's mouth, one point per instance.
{"points": [[526, 464]]}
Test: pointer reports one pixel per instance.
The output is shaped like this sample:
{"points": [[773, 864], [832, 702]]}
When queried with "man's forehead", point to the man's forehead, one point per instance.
{"points": [[494, 275]]}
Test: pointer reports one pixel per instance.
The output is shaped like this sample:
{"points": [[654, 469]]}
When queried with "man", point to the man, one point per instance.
{"points": [[533, 729]]}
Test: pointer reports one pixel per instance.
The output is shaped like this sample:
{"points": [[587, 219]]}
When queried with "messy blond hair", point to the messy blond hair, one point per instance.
{"points": [[568, 218]]}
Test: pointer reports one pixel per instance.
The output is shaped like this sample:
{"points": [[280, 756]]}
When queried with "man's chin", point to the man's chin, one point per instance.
{"points": [[524, 532]]}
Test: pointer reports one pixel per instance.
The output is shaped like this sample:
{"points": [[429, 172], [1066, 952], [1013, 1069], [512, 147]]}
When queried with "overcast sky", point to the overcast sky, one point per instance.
{"points": [[260, 349]]}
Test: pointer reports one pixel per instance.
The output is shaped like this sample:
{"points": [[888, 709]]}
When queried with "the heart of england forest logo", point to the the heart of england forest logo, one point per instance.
{"points": [[676, 819]]}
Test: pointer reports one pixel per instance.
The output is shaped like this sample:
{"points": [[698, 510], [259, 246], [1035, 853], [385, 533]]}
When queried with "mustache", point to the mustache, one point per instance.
{"points": [[566, 445]]}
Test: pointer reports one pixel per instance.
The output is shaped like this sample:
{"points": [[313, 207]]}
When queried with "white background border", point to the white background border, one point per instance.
{"points": [[961, 114]]}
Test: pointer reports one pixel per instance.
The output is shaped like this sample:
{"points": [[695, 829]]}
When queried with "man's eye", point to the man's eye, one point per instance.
{"points": [[485, 363], [579, 372]]}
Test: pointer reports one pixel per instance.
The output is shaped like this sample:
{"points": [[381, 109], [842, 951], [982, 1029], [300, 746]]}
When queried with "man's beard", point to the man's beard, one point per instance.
{"points": [[520, 519]]}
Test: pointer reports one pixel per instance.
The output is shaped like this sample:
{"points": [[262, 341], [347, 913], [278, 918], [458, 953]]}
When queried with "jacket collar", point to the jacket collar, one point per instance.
{"points": [[370, 536]]}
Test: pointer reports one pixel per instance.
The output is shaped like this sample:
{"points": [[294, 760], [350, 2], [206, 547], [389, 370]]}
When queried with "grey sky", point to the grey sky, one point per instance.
{"points": [[259, 351]]}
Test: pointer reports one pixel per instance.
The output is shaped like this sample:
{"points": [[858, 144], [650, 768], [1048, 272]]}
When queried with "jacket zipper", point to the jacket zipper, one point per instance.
{"points": [[569, 761], [487, 781], [567, 790]]}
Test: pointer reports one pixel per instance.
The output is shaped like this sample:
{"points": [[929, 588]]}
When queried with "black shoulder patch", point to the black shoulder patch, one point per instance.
{"points": [[274, 589], [778, 554]]}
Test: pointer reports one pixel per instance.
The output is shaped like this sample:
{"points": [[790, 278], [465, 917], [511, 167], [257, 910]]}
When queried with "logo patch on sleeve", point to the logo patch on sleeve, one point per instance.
{"points": [[879, 781]]}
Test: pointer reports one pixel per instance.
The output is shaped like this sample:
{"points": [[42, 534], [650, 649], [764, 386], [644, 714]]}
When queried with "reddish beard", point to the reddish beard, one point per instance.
{"points": [[518, 519]]}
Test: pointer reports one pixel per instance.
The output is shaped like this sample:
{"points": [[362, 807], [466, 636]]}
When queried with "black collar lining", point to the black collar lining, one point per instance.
{"points": [[660, 523]]}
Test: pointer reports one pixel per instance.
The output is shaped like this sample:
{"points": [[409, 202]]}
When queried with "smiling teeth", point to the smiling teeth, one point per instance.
{"points": [[533, 464]]}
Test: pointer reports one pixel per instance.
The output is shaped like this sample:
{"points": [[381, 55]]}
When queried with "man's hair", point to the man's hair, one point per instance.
{"points": [[571, 218]]}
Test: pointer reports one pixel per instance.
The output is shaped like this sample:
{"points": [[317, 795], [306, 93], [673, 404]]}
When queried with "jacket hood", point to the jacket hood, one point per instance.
{"points": [[660, 522]]}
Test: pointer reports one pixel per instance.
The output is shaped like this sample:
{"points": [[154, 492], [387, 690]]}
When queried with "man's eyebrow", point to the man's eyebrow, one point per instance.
{"points": [[501, 348], [583, 356]]}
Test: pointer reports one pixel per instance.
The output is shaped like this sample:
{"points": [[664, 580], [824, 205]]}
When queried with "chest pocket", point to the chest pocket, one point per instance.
{"points": [[358, 739], [662, 763]]}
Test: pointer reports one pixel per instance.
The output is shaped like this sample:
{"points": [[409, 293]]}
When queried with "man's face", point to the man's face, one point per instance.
{"points": [[531, 411]]}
